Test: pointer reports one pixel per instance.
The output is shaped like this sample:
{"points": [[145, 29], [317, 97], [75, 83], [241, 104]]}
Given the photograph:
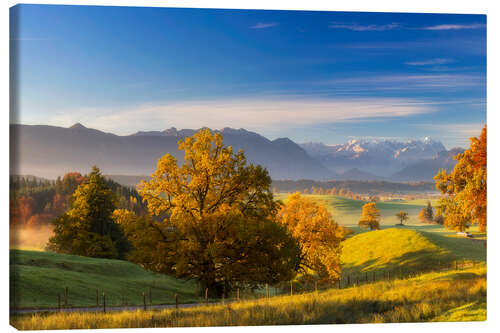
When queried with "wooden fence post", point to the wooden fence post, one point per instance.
{"points": [[176, 301], [238, 294], [206, 295], [456, 265], [144, 300], [373, 276], [97, 297], [348, 280], [66, 296], [150, 297], [291, 288], [267, 290], [222, 299], [104, 301], [59, 302], [316, 286]]}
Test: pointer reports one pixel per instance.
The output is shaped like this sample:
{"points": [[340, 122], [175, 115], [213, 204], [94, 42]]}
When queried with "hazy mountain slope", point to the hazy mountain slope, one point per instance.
{"points": [[356, 174], [50, 151], [427, 169]]}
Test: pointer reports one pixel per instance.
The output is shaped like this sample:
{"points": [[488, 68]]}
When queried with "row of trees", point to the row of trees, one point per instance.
{"points": [[35, 202]]}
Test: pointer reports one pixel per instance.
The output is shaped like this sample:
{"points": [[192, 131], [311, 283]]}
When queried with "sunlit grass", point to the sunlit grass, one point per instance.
{"points": [[445, 296], [347, 211], [405, 251]]}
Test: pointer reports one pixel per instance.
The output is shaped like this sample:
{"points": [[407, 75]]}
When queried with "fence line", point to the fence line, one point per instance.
{"points": [[347, 280]]}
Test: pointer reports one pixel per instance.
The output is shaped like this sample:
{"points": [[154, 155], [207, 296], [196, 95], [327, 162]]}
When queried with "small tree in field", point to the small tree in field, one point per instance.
{"points": [[402, 216], [426, 215], [370, 216]]}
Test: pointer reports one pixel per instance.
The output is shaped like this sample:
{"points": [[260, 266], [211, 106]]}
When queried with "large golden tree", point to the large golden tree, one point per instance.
{"points": [[318, 234], [464, 189], [215, 219]]}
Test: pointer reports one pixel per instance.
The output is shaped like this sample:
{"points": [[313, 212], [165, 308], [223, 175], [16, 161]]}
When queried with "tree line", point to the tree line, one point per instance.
{"points": [[36, 201]]}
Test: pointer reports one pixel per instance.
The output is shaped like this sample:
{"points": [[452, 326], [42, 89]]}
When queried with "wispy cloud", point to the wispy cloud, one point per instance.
{"points": [[463, 130], [262, 25], [363, 27], [437, 61], [454, 26], [407, 82], [457, 134], [254, 114]]}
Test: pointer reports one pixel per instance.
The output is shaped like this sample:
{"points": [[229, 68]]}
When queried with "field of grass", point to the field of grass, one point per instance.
{"points": [[37, 278], [445, 296], [347, 211], [406, 249]]}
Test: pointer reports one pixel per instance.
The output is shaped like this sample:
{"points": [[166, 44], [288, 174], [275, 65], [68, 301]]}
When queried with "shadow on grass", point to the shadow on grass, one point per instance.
{"points": [[409, 263]]}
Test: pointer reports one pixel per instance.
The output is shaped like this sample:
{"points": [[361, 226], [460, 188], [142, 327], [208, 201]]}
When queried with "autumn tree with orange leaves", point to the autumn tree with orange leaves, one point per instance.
{"points": [[464, 189], [318, 234]]}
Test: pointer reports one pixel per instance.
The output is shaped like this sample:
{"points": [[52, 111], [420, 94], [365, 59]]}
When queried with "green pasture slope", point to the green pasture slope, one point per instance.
{"points": [[37, 278], [407, 249], [347, 211]]}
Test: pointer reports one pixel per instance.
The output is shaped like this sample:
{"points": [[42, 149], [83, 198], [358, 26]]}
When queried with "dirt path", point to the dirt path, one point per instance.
{"points": [[109, 308]]}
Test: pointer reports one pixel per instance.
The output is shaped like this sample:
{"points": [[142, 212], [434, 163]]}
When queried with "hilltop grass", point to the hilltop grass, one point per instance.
{"points": [[445, 296], [37, 278], [406, 250]]}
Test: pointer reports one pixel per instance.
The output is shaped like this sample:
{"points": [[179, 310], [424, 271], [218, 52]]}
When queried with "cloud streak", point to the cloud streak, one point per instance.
{"points": [[437, 61], [261, 25], [361, 27], [458, 130], [408, 82], [454, 27], [252, 114]]}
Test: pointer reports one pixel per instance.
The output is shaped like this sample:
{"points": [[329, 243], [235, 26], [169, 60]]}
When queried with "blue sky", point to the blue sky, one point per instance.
{"points": [[309, 76]]}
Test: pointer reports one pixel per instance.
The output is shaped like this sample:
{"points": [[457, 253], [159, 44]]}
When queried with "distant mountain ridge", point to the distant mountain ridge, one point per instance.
{"points": [[51, 151], [376, 157]]}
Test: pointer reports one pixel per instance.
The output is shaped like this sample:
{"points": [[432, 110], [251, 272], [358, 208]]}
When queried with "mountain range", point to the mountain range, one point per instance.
{"points": [[50, 151], [384, 159]]}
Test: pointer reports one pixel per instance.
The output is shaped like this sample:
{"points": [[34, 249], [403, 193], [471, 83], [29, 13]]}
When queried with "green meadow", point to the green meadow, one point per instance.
{"points": [[346, 211], [38, 278]]}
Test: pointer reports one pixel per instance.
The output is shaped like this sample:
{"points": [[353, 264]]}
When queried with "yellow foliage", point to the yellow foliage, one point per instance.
{"points": [[370, 216], [465, 188], [217, 219], [318, 234]]}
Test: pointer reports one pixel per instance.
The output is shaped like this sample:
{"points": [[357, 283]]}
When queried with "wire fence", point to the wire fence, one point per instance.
{"points": [[104, 302]]}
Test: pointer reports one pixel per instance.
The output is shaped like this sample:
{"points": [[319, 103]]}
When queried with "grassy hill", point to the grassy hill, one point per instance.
{"points": [[37, 278], [408, 249]]}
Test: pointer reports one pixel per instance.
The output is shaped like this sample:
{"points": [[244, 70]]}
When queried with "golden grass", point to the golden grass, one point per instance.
{"points": [[445, 296], [407, 250]]}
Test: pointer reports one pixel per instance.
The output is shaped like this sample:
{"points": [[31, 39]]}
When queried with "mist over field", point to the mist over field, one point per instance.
{"points": [[30, 238]]}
